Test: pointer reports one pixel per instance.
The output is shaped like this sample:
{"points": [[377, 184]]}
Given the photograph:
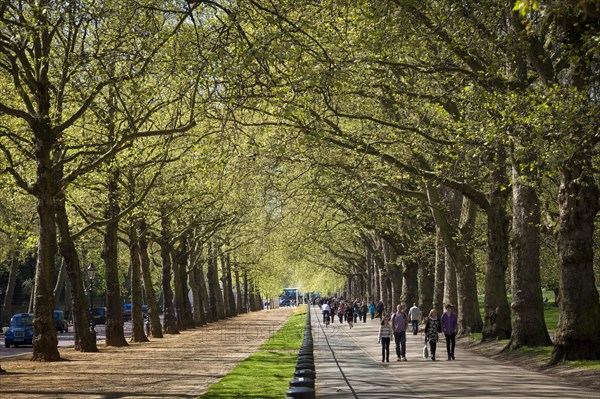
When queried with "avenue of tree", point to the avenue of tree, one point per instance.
{"points": [[409, 151]]}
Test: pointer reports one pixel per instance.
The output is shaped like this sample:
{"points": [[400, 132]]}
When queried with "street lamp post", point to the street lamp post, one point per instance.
{"points": [[91, 273]]}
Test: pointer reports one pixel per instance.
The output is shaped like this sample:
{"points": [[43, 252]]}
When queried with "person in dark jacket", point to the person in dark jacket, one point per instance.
{"points": [[449, 322], [380, 309]]}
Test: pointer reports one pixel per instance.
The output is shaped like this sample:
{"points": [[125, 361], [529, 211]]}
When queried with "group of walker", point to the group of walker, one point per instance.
{"points": [[433, 327], [349, 312]]}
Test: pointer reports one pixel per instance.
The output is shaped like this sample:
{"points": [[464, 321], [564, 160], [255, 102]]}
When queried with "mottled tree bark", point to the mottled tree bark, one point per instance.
{"points": [[115, 334], [440, 275], [578, 332], [238, 290], [177, 257], [409, 282], [394, 271], [426, 277], [204, 294], [85, 341], [198, 311], [169, 322], [497, 323], [450, 284], [10, 290], [469, 319], [137, 334], [529, 326], [153, 314]]}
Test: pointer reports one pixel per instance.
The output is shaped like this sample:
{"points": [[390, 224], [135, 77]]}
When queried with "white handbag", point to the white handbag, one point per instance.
{"points": [[425, 352]]}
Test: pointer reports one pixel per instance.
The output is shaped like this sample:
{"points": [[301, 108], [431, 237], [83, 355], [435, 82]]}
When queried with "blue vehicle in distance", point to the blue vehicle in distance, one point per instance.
{"points": [[59, 321], [20, 331]]}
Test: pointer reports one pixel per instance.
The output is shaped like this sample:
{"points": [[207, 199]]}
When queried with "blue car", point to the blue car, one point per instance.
{"points": [[20, 331]]}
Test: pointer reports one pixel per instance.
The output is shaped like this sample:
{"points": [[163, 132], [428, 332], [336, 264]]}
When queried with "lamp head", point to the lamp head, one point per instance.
{"points": [[91, 271]]}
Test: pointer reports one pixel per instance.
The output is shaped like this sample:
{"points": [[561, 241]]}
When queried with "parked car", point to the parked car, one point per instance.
{"points": [[20, 331], [127, 312], [99, 316], [59, 321]]}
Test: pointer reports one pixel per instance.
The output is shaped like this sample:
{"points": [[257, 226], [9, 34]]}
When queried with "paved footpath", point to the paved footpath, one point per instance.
{"points": [[348, 365]]}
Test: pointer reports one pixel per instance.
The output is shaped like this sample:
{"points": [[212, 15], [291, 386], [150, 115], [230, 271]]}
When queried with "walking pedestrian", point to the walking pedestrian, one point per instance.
{"points": [[341, 312], [380, 309], [384, 337], [399, 324], [414, 315], [350, 316], [432, 329], [449, 322], [372, 310], [356, 307], [365, 310]]}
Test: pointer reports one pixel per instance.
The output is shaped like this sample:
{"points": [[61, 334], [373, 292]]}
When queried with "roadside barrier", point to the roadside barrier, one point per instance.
{"points": [[303, 384]]}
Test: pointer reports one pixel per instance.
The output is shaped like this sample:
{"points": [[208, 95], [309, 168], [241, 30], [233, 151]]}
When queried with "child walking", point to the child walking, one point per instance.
{"points": [[385, 337]]}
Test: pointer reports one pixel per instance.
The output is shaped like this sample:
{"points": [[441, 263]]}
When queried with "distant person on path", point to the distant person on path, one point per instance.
{"points": [[350, 316], [372, 309], [399, 324], [449, 321], [380, 309], [356, 307], [326, 310], [365, 310], [384, 337], [432, 329], [414, 315], [341, 312]]}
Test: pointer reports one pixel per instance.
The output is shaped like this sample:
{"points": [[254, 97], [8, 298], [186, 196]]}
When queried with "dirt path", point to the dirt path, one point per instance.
{"points": [[178, 366]]}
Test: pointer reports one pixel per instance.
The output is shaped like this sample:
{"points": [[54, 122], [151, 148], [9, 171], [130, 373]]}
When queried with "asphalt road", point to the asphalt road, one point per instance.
{"points": [[64, 340]]}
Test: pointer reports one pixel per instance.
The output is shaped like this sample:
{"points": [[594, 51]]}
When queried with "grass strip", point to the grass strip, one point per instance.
{"points": [[268, 372]]}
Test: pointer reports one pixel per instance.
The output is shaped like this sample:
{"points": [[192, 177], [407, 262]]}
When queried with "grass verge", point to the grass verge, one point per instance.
{"points": [[266, 373]]}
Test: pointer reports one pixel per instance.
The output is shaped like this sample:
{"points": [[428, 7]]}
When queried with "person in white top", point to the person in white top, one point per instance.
{"points": [[414, 316], [326, 310]]}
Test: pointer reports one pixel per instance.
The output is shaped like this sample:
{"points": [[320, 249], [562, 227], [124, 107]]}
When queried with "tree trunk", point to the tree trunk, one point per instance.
{"points": [[59, 285], [232, 308], [10, 290], [153, 314], [497, 323], [169, 323], [529, 326], [238, 290], [197, 311], [426, 277], [137, 334], [188, 318], [246, 293], [85, 341], [45, 341], [409, 282], [115, 335], [394, 271], [450, 283], [177, 257], [578, 332], [440, 275], [224, 281], [496, 310], [214, 289], [205, 295], [469, 319], [369, 268]]}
